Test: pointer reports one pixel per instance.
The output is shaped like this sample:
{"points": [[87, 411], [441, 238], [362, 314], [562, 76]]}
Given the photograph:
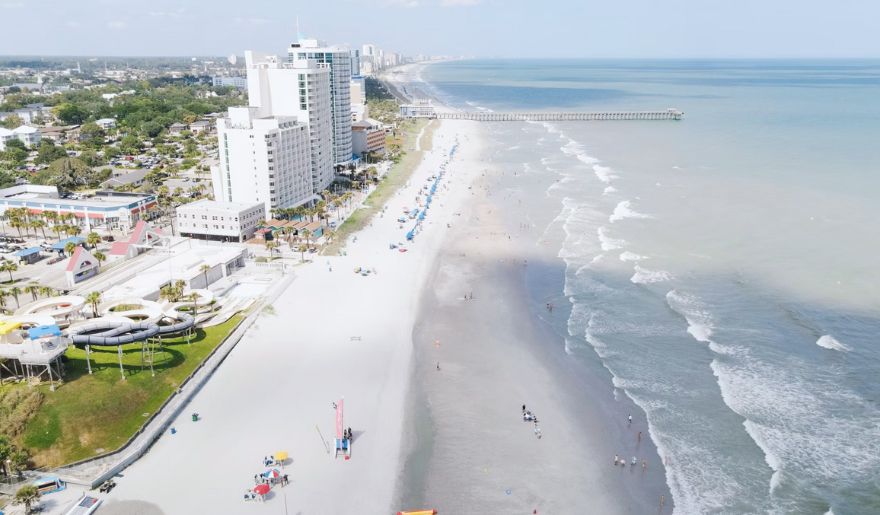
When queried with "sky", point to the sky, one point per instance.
{"points": [[474, 28]]}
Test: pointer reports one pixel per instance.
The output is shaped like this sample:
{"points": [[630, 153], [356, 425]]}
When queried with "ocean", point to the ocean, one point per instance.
{"points": [[721, 268]]}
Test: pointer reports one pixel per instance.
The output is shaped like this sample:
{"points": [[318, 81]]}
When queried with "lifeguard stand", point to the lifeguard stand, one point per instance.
{"points": [[342, 444]]}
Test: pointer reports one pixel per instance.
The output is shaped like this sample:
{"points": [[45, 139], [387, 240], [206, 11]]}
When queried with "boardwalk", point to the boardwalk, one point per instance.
{"points": [[487, 116]]}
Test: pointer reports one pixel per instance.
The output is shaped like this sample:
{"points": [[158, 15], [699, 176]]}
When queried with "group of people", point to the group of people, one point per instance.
{"points": [[269, 477], [635, 461], [346, 434], [528, 416]]}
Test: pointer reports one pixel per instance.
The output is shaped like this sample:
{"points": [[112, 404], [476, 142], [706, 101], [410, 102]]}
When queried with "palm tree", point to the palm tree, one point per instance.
{"points": [[204, 269], [73, 230], [58, 229], [302, 248], [16, 224], [38, 224], [100, 256], [8, 266], [194, 298], [93, 239], [307, 234], [271, 245], [3, 296], [27, 496], [15, 291], [46, 291], [93, 299], [70, 247], [33, 289]]}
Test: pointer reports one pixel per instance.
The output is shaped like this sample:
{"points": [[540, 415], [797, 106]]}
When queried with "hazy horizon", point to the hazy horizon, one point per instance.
{"points": [[482, 28]]}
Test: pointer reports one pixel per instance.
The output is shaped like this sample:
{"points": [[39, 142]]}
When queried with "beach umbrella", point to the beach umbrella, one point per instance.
{"points": [[261, 489], [281, 456], [272, 474]]}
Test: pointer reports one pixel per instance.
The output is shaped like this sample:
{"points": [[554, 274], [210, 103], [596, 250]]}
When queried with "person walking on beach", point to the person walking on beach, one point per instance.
{"points": [[629, 420], [438, 366], [639, 438], [616, 460], [634, 461]]}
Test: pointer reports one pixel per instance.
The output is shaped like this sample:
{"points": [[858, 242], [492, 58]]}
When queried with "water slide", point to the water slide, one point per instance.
{"points": [[129, 320], [60, 308]]}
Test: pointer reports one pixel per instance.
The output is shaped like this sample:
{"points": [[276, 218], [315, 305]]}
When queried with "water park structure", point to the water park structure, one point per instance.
{"points": [[34, 339]]}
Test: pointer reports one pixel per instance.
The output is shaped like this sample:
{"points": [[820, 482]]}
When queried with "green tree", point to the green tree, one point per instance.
{"points": [[70, 248], [48, 152], [12, 121], [93, 239], [33, 289], [71, 114], [15, 291], [94, 298], [91, 131], [8, 266], [130, 144], [27, 496], [38, 224]]}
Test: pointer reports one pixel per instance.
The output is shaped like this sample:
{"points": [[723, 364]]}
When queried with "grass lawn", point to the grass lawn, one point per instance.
{"points": [[396, 177], [92, 414]]}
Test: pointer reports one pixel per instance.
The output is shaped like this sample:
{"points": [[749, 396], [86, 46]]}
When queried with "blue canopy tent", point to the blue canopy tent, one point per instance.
{"points": [[43, 331], [59, 246]]}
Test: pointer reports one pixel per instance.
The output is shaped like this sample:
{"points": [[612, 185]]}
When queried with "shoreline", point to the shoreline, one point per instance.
{"points": [[332, 334], [451, 412]]}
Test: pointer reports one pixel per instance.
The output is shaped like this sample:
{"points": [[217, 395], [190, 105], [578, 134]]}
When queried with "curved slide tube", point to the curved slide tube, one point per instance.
{"points": [[57, 307], [111, 332], [184, 322], [114, 331]]}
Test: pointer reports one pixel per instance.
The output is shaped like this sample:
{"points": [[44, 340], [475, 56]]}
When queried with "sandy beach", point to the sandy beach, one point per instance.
{"points": [[332, 334], [433, 383]]}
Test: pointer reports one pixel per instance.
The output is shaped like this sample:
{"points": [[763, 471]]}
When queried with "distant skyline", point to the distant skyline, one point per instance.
{"points": [[480, 28]]}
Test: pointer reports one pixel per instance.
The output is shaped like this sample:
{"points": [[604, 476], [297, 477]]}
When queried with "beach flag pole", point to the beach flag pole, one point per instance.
{"points": [[326, 447]]}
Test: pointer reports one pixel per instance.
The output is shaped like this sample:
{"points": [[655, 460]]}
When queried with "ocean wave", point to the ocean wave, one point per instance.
{"points": [[624, 210], [699, 320], [607, 242], [631, 256], [609, 190], [829, 342], [645, 276], [603, 173], [801, 421]]}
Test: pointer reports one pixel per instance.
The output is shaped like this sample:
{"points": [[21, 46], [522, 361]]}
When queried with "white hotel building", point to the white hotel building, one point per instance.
{"points": [[299, 89], [263, 160], [339, 61]]}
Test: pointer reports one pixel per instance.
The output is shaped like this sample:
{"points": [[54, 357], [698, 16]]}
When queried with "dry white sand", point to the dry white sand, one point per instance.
{"points": [[274, 392]]}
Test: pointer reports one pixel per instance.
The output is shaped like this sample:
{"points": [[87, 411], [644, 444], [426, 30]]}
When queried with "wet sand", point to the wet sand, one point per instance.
{"points": [[467, 448]]}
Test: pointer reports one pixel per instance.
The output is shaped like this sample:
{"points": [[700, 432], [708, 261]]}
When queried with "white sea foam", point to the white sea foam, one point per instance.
{"points": [[607, 242], [609, 190], [631, 256], [603, 173], [800, 419], [645, 276], [624, 210], [829, 342], [698, 318]]}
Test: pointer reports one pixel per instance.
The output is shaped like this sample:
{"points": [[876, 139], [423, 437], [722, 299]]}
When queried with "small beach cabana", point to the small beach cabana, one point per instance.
{"points": [[29, 255], [59, 246]]}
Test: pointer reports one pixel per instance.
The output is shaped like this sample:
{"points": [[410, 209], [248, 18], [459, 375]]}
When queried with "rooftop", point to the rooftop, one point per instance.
{"points": [[215, 205]]}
